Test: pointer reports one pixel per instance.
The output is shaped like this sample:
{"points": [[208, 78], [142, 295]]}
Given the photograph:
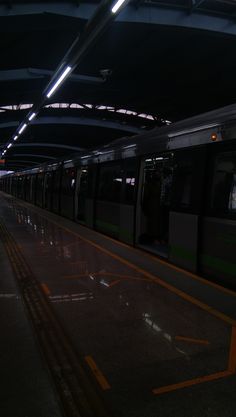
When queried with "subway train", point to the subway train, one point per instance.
{"points": [[170, 191]]}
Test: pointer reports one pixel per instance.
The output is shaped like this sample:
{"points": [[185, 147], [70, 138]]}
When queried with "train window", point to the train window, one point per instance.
{"points": [[91, 181], [110, 183], [68, 181], [56, 180], [130, 173], [155, 202], [182, 184], [189, 166], [82, 193], [223, 190]]}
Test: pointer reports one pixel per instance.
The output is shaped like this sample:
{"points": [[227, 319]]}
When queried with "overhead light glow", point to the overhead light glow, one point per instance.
{"points": [[9, 146], [15, 137], [32, 116], [23, 128], [117, 5], [59, 81]]}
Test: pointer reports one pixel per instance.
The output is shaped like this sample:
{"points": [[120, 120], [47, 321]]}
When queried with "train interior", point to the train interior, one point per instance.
{"points": [[154, 207]]}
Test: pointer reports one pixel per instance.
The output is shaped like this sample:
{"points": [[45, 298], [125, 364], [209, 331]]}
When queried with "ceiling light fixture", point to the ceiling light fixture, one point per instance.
{"points": [[59, 81], [117, 6], [32, 116], [15, 137], [22, 128], [9, 146]]}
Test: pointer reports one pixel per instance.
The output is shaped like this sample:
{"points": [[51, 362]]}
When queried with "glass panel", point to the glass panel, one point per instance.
{"points": [[83, 191], [155, 204], [68, 181], [223, 193], [182, 184], [110, 184]]}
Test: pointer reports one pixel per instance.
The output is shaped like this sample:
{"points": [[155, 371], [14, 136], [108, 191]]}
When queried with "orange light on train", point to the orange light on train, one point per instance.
{"points": [[213, 137]]}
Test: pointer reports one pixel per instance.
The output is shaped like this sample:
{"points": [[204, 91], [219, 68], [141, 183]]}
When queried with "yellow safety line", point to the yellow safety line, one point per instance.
{"points": [[110, 274], [192, 340], [45, 289], [97, 373], [164, 284], [78, 276], [181, 294], [121, 276], [232, 354], [114, 283], [191, 382], [79, 262], [69, 244]]}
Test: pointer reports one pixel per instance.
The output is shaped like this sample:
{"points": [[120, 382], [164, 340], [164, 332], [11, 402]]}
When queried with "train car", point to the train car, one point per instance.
{"points": [[170, 191]]}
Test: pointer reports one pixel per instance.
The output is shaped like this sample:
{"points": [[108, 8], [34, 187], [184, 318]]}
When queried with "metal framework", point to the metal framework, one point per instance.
{"points": [[78, 120], [207, 15]]}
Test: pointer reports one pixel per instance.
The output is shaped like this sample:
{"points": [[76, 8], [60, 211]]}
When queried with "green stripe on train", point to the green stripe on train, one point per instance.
{"points": [[108, 227], [218, 264], [209, 261], [115, 230], [180, 252]]}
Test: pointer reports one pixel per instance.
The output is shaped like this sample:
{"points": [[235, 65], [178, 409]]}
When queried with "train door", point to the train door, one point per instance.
{"points": [[152, 220], [48, 190], [186, 206], [32, 189], [67, 202], [218, 226], [84, 202], [56, 189], [39, 189], [27, 187], [81, 194]]}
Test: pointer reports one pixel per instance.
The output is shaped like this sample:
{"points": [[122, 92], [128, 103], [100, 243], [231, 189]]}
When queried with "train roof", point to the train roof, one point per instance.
{"points": [[193, 131]]}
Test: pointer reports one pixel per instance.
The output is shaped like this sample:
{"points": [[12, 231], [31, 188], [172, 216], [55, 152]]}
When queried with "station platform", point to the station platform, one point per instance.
{"points": [[93, 327]]}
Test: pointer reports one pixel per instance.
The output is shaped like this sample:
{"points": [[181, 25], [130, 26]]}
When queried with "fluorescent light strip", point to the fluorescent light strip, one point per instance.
{"points": [[23, 128], [9, 146], [116, 7], [59, 81], [15, 137], [32, 116]]}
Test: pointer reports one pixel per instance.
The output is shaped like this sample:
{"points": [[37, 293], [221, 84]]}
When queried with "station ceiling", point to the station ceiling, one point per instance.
{"points": [[153, 62]]}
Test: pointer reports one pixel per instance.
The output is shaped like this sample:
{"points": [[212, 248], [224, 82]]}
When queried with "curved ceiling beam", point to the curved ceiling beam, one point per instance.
{"points": [[82, 121], [49, 145], [188, 17], [16, 155], [34, 73], [66, 8], [182, 17], [21, 161]]}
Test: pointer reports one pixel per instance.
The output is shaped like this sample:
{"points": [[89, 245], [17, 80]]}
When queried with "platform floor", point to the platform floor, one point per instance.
{"points": [[26, 386], [155, 341]]}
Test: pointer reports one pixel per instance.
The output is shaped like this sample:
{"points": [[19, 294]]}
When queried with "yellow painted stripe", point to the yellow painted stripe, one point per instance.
{"points": [[164, 284], [121, 276], [190, 382], [232, 352], [77, 276], [97, 373], [114, 283], [45, 289], [192, 340]]}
